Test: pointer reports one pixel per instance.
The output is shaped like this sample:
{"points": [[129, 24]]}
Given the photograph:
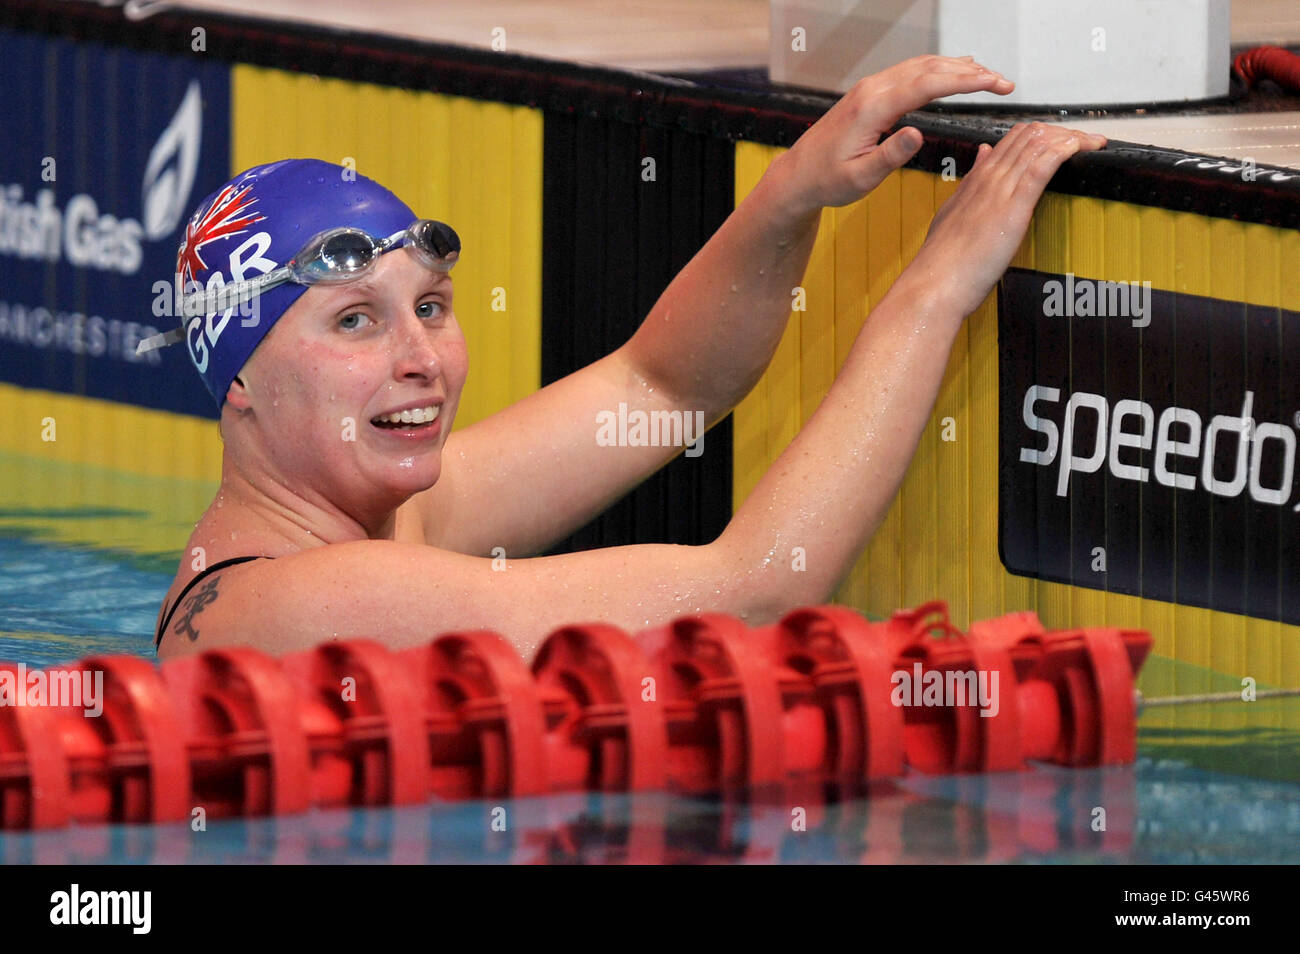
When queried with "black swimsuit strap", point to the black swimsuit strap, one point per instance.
{"points": [[220, 565]]}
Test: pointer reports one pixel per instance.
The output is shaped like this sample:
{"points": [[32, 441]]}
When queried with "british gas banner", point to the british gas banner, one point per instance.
{"points": [[1147, 442], [107, 150]]}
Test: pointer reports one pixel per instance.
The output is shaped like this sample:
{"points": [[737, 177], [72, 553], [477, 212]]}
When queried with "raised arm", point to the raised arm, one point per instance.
{"points": [[714, 330], [702, 347], [832, 486], [826, 493]]}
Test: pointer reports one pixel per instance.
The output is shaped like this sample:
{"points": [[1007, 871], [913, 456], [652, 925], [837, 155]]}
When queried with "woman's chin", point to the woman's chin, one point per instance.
{"points": [[412, 473]]}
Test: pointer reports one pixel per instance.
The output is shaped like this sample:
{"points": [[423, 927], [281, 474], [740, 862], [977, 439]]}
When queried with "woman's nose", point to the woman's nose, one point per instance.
{"points": [[416, 354]]}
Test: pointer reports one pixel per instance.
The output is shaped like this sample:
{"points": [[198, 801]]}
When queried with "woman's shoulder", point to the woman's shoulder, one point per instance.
{"points": [[224, 553], [218, 539], [293, 600], [215, 546]]}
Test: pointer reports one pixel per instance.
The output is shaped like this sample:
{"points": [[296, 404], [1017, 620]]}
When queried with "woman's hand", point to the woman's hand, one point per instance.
{"points": [[977, 232], [840, 158]]}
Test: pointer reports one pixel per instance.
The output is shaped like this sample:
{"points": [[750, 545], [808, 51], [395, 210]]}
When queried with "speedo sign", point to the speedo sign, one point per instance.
{"points": [[1154, 457]]}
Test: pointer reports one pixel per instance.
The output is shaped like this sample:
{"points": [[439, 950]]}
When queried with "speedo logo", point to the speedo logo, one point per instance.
{"points": [[1121, 435]]}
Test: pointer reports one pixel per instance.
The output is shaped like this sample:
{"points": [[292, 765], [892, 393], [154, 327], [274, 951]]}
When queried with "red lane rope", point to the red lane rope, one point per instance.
{"points": [[704, 704]]}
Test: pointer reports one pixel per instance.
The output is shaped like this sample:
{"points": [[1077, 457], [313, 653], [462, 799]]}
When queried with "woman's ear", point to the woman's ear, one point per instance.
{"points": [[239, 394]]}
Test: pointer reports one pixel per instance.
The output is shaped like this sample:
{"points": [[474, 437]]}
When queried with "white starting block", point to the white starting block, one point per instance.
{"points": [[1058, 52]]}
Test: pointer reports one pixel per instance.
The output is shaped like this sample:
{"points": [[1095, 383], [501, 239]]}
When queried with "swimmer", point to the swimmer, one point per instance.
{"points": [[348, 508]]}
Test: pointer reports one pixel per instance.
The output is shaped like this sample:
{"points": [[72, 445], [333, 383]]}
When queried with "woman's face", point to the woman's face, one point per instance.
{"points": [[342, 357]]}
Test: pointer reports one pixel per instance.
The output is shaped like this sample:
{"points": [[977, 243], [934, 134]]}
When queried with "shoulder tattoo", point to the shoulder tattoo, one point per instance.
{"points": [[195, 603]]}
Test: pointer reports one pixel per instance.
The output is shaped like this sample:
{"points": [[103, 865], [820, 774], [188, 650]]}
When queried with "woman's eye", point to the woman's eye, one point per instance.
{"points": [[428, 309], [352, 322]]}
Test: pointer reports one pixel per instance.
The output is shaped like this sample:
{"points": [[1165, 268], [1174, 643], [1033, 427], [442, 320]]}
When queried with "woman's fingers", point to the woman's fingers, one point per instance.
{"points": [[915, 89], [1037, 170], [1018, 146], [923, 79], [1029, 149], [891, 154], [841, 158], [931, 86], [1022, 163], [1036, 165], [932, 64], [977, 231]]}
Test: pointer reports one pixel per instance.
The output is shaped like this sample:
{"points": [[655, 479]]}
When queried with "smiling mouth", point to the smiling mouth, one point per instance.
{"points": [[416, 419]]}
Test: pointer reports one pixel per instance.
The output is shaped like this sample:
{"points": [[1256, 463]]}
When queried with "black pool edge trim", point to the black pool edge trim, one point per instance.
{"points": [[1124, 172]]}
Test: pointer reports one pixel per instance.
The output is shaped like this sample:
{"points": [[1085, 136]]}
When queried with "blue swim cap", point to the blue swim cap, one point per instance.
{"points": [[252, 225]]}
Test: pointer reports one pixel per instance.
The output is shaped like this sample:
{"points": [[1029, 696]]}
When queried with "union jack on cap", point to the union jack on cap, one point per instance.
{"points": [[227, 215]]}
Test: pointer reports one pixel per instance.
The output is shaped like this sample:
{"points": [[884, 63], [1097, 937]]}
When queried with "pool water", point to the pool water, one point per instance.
{"points": [[1212, 784], [1160, 811], [62, 603]]}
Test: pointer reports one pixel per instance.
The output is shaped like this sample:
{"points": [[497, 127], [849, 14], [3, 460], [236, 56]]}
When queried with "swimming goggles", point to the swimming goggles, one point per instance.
{"points": [[331, 257]]}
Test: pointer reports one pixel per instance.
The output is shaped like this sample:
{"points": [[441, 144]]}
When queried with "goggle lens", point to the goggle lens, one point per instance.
{"points": [[437, 238], [337, 256]]}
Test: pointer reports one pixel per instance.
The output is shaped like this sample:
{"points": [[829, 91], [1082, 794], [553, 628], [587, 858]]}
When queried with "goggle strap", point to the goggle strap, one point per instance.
{"points": [[216, 300], [154, 342]]}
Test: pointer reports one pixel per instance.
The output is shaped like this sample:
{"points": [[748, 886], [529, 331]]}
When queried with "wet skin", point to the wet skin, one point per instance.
{"points": [[393, 538]]}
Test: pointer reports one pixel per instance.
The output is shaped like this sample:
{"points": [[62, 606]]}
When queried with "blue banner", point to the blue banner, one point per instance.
{"points": [[108, 150]]}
